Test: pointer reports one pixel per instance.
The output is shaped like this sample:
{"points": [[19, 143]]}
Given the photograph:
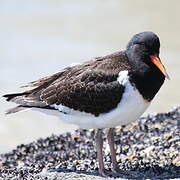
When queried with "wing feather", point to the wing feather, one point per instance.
{"points": [[90, 87], [92, 92]]}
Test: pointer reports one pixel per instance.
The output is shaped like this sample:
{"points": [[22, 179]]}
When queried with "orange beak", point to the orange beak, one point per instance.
{"points": [[155, 60]]}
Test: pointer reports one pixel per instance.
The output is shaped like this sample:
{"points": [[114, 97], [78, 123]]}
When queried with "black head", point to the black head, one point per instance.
{"points": [[144, 47], [148, 42]]}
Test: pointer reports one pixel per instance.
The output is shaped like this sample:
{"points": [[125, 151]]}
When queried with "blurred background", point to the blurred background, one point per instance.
{"points": [[40, 37]]}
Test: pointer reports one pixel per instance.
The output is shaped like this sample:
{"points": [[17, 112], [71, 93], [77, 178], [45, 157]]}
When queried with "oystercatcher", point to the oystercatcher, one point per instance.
{"points": [[104, 92]]}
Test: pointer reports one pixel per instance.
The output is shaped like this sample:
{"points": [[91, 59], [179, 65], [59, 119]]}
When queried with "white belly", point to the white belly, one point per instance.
{"points": [[130, 108]]}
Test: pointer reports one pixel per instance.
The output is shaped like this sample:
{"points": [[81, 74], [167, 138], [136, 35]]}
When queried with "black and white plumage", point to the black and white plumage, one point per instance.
{"points": [[101, 93]]}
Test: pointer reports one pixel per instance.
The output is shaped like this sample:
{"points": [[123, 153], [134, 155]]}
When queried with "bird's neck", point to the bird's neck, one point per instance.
{"points": [[147, 78]]}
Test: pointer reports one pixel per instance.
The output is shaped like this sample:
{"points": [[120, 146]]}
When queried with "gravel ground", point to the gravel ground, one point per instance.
{"points": [[150, 147]]}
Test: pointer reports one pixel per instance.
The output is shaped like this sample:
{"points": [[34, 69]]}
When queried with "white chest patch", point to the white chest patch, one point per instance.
{"points": [[130, 108]]}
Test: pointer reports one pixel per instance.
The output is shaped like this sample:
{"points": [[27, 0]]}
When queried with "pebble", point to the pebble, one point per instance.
{"points": [[150, 147]]}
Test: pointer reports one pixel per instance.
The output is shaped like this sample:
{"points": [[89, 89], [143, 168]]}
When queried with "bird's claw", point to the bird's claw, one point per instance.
{"points": [[106, 173], [120, 172]]}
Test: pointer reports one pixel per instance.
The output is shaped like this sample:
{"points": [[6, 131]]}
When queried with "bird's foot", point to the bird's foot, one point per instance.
{"points": [[119, 172], [106, 173], [116, 173]]}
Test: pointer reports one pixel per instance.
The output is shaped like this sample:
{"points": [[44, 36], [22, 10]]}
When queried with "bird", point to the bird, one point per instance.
{"points": [[101, 93]]}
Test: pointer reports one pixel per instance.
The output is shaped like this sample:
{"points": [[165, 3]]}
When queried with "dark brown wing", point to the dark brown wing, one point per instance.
{"points": [[91, 92], [82, 87]]}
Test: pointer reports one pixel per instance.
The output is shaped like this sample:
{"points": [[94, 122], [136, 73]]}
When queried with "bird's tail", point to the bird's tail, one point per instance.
{"points": [[14, 98], [16, 109], [25, 100], [31, 98], [10, 97]]}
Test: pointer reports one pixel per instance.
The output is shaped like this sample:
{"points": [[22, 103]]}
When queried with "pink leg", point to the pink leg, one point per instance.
{"points": [[110, 138], [115, 166], [99, 146]]}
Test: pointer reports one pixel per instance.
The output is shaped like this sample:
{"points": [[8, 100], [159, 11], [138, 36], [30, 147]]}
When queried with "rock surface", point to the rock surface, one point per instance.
{"points": [[150, 147]]}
